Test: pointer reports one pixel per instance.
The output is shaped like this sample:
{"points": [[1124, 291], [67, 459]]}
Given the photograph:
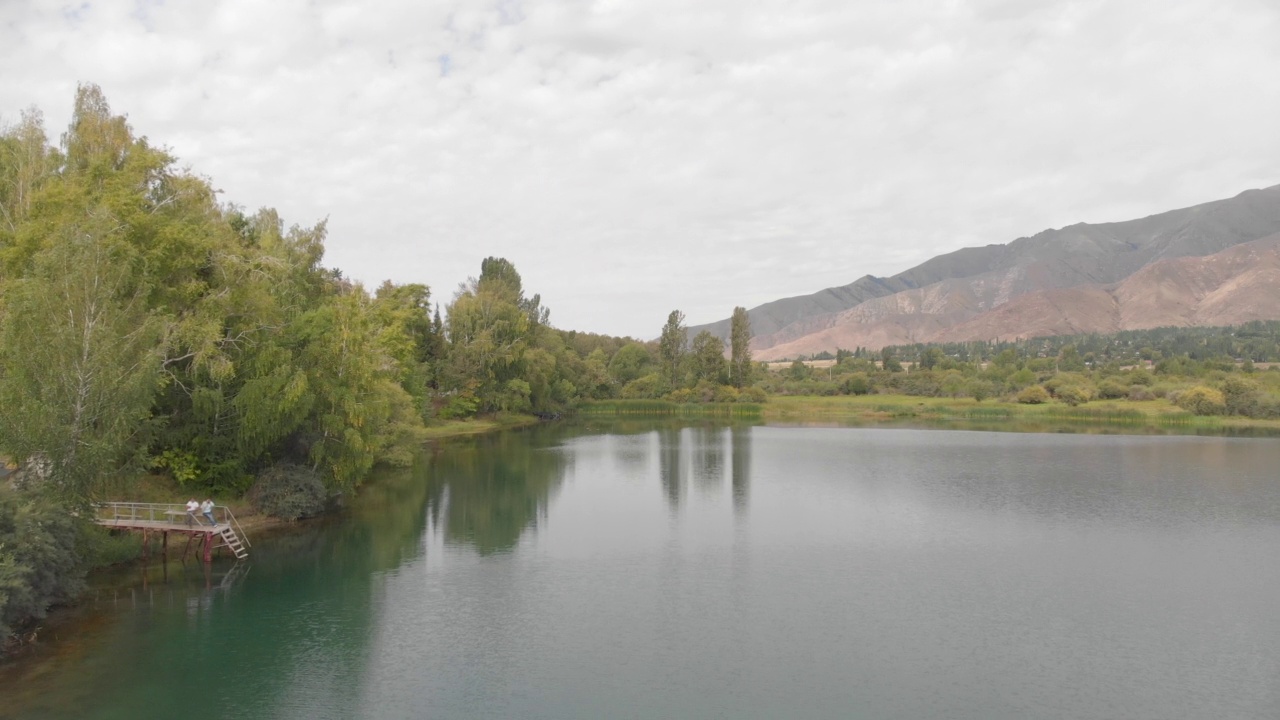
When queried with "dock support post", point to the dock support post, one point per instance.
{"points": [[208, 547]]}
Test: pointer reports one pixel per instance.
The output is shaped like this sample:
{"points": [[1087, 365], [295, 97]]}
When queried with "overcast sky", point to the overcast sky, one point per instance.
{"points": [[632, 157]]}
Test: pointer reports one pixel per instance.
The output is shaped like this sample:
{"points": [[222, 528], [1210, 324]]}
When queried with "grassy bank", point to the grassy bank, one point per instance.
{"points": [[870, 408], [661, 408]]}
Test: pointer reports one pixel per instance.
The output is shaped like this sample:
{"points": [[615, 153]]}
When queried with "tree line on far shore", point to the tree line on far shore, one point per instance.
{"points": [[1206, 371]]}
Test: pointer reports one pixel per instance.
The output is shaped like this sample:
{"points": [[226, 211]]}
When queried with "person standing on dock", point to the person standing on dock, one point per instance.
{"points": [[192, 507], [206, 507]]}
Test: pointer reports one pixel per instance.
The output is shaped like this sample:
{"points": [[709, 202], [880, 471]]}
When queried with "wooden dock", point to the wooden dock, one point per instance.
{"points": [[163, 518]]}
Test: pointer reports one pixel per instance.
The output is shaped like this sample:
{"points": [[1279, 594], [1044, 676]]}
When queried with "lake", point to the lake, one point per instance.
{"points": [[652, 570]]}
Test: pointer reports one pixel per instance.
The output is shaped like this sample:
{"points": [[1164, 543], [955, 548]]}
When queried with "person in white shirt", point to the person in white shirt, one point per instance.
{"points": [[192, 507], [206, 507]]}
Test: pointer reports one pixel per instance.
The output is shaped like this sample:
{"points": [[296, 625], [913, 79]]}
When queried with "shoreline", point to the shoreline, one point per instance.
{"points": [[253, 521], [1157, 415]]}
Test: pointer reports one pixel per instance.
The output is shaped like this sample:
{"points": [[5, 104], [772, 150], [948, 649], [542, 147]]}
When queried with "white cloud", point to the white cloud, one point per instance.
{"points": [[634, 157]]}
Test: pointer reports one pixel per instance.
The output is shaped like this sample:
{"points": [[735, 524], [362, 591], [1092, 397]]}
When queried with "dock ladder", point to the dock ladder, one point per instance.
{"points": [[232, 541]]}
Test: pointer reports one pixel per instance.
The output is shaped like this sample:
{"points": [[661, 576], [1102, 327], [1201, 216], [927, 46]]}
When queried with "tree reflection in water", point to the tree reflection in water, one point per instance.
{"points": [[486, 491]]}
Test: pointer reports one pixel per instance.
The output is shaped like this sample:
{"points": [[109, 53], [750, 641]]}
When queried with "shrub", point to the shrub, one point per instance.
{"points": [[461, 405], [1241, 396], [979, 390], [1112, 389], [1074, 395], [753, 394], [1138, 393], [726, 394], [289, 491], [1022, 378], [1201, 400], [1140, 376], [1033, 395], [40, 561], [683, 395], [646, 387], [856, 384]]}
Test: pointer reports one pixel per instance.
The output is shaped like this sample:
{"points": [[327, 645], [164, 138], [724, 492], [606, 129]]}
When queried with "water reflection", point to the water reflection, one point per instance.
{"points": [[486, 491], [708, 457], [740, 444], [671, 465]]}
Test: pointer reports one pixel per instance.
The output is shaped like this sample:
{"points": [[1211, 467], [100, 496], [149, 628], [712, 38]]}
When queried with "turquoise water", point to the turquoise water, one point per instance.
{"points": [[650, 570]]}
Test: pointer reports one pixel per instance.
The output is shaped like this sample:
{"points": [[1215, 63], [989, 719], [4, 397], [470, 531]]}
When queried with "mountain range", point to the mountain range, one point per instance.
{"points": [[1212, 264]]}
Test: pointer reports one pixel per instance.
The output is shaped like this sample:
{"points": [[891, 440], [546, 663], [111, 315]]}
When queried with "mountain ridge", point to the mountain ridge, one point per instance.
{"points": [[956, 288]]}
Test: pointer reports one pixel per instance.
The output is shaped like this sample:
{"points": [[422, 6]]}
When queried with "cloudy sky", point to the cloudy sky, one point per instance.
{"points": [[637, 156]]}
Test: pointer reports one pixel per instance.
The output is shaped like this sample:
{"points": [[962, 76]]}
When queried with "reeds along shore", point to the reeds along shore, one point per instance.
{"points": [[872, 408]]}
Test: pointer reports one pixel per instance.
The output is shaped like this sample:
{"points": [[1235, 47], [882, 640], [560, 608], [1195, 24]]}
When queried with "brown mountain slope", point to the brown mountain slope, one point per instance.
{"points": [[1235, 285], [966, 283]]}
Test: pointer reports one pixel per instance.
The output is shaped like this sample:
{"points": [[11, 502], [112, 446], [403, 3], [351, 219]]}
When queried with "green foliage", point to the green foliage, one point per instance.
{"points": [[1201, 400], [1069, 359], [707, 359], [40, 561], [1074, 394], [289, 491], [1112, 389], [650, 386], [856, 384], [889, 361], [462, 405], [1033, 395], [1241, 396], [182, 466], [799, 370], [80, 355], [740, 366], [979, 389], [672, 345], [630, 362]]}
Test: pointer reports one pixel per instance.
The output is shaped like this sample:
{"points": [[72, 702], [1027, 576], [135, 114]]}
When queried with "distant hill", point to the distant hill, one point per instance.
{"points": [[1081, 278]]}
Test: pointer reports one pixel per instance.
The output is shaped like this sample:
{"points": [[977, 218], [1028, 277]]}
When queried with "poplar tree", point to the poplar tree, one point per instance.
{"points": [[740, 348], [673, 344]]}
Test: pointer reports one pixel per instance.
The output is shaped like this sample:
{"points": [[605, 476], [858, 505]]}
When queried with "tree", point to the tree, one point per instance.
{"points": [[1069, 359], [81, 359], [1202, 400], [740, 348], [930, 358], [489, 331], [889, 361], [707, 357], [630, 362], [672, 346], [26, 161]]}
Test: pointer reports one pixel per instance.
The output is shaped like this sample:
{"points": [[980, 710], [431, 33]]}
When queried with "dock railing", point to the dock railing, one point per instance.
{"points": [[132, 513]]}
